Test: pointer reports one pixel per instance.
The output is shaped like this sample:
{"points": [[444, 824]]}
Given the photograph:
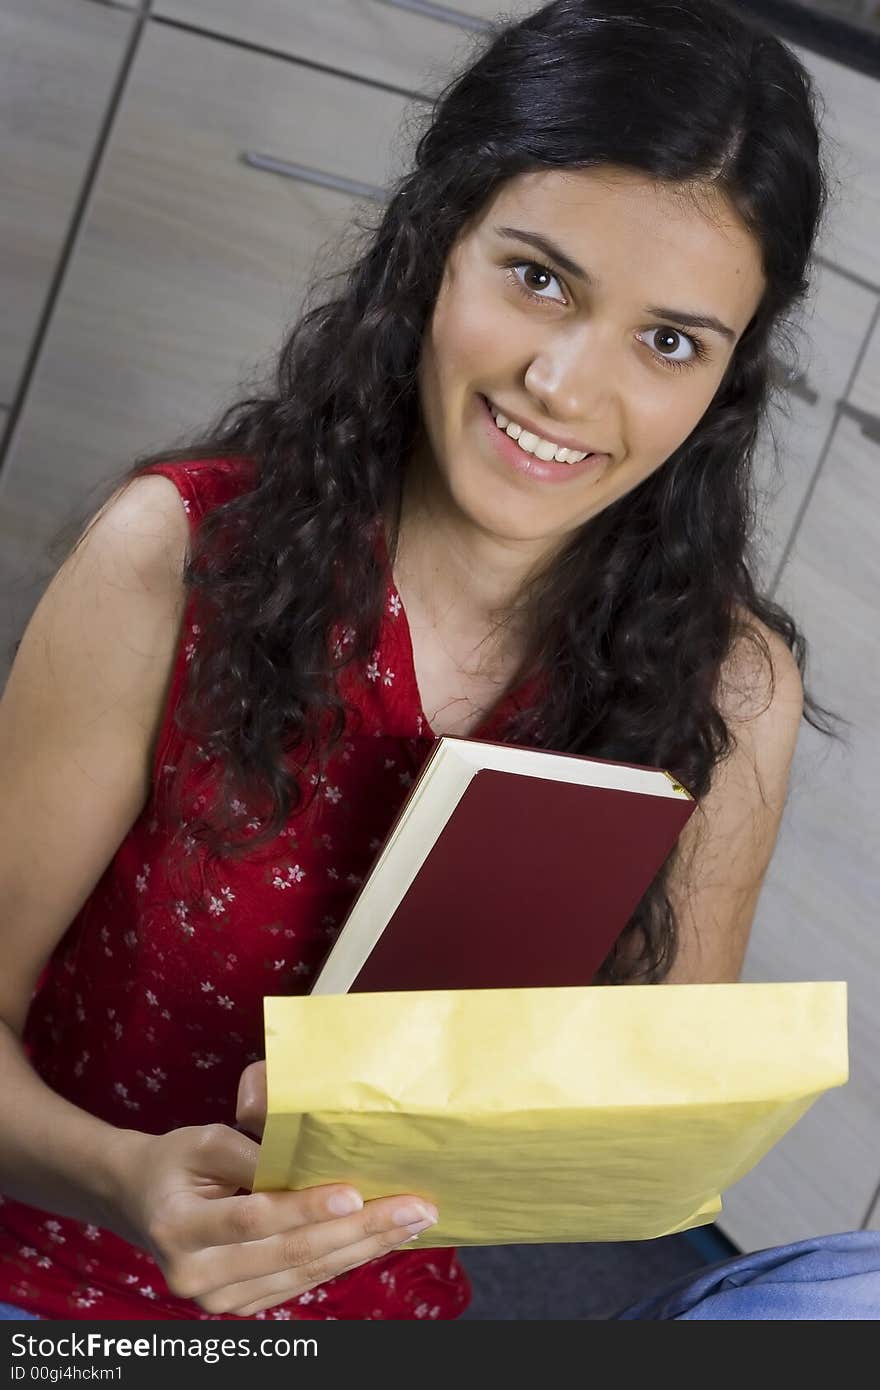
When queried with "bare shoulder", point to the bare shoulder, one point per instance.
{"points": [[118, 598], [79, 719], [106, 627], [760, 692], [725, 850], [143, 524]]}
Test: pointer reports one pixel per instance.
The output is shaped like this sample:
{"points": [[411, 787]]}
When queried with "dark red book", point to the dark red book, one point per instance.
{"points": [[507, 867]]}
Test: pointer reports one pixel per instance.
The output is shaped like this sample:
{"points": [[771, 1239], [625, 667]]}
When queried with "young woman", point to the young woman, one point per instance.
{"points": [[501, 487]]}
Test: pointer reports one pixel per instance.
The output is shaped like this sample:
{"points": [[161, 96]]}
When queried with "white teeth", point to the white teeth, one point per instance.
{"points": [[529, 442], [546, 451], [533, 443]]}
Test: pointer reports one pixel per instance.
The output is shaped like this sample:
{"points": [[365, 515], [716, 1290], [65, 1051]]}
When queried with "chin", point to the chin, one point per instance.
{"points": [[509, 519]]}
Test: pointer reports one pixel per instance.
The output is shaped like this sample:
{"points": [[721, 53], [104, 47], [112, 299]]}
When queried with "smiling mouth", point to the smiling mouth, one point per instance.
{"points": [[535, 444]]}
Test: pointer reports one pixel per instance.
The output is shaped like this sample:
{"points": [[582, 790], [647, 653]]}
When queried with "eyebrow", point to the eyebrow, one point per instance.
{"points": [[555, 253]]}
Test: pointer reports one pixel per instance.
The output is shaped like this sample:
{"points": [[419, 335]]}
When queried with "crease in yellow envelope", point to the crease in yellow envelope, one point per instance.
{"points": [[540, 1115]]}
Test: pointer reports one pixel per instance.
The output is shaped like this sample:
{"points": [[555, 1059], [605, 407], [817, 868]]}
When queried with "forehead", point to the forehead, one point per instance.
{"points": [[651, 241]]}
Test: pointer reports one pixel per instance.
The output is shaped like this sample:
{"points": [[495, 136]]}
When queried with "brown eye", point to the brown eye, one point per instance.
{"points": [[536, 273], [536, 279], [668, 338], [674, 339]]}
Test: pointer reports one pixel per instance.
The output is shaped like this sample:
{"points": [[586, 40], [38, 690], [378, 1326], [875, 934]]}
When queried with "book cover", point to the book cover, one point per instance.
{"points": [[528, 884]]}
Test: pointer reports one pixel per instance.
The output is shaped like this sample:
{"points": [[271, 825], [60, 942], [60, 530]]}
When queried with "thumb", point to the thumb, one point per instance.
{"points": [[250, 1108], [223, 1160]]}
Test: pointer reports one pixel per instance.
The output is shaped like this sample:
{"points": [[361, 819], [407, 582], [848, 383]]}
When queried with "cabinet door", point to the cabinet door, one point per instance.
{"points": [[817, 917], [58, 64], [488, 10], [410, 47], [865, 393], [831, 331], [191, 265], [852, 118]]}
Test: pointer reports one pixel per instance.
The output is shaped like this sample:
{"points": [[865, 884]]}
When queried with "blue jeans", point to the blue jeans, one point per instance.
{"points": [[9, 1314], [828, 1277]]}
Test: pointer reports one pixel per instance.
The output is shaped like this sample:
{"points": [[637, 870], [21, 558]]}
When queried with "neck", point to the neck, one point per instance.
{"points": [[462, 578]]}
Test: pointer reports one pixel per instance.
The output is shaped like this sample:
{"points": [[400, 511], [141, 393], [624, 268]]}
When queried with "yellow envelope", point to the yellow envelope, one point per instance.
{"points": [[581, 1114]]}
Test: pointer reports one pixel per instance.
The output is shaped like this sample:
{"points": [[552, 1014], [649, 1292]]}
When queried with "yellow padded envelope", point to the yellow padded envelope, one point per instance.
{"points": [[590, 1113]]}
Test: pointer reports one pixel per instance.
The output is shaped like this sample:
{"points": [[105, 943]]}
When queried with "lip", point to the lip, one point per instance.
{"points": [[539, 470], [541, 432]]}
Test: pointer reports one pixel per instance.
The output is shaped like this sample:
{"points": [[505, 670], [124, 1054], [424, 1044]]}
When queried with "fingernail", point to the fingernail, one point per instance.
{"points": [[417, 1226], [344, 1203], [414, 1212]]}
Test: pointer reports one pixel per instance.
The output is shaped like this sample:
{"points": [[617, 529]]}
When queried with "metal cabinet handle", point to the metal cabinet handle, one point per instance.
{"points": [[869, 424], [445, 13], [306, 174], [799, 386], [790, 379]]}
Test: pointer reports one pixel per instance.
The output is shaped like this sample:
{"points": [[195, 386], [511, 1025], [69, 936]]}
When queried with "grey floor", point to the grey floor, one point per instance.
{"points": [[573, 1282]]}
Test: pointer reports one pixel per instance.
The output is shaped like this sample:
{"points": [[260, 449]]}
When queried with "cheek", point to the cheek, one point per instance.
{"points": [[468, 336], [661, 420]]}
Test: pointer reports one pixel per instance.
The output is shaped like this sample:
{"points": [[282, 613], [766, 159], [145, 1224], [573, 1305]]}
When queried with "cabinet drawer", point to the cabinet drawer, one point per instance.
{"points": [[412, 47], [58, 63], [817, 914], [865, 394], [831, 331], [852, 236], [191, 262]]}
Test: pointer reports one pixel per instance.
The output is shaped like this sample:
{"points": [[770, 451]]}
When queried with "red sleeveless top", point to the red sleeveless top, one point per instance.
{"points": [[151, 1004]]}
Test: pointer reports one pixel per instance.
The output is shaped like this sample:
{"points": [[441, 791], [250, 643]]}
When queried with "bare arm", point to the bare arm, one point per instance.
{"points": [[726, 848], [78, 721], [55, 1156], [78, 724]]}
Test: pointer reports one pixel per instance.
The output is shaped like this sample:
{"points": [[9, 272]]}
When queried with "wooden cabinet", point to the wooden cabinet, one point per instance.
{"points": [[852, 116], [486, 10], [408, 47], [190, 265], [816, 918], [59, 61], [818, 911], [832, 329], [865, 393]]}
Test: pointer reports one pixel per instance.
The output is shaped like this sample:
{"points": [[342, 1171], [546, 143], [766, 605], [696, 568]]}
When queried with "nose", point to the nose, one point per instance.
{"points": [[572, 377]]}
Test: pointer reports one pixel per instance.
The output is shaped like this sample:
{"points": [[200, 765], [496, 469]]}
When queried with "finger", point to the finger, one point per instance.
{"points": [[255, 1216], [250, 1109], [219, 1153], [251, 1296], [386, 1222]]}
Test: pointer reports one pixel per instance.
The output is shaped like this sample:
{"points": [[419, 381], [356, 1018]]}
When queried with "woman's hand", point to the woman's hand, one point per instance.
{"points": [[253, 1099], [242, 1253]]}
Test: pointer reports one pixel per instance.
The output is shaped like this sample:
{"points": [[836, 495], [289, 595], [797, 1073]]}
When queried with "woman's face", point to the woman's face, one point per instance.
{"points": [[585, 342]]}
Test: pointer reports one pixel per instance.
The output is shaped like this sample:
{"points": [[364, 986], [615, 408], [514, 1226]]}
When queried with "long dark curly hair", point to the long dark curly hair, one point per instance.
{"points": [[636, 614]]}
